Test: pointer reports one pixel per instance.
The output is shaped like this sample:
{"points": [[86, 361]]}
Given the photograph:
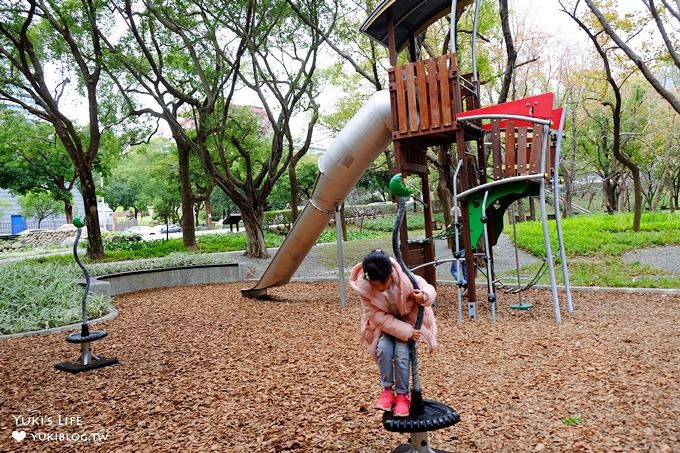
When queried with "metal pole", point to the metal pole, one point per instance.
{"points": [[341, 259], [546, 233], [514, 236], [456, 225], [452, 32], [487, 258], [87, 276], [474, 41], [558, 214]]}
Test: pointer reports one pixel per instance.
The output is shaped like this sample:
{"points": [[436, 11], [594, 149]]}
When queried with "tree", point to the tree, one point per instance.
{"points": [[179, 55], [32, 158], [669, 17], [615, 106], [119, 193], [188, 56], [306, 171], [37, 35], [40, 205], [147, 177]]}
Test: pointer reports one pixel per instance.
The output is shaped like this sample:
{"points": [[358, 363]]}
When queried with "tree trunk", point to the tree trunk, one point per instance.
{"points": [[510, 50], [569, 166], [197, 213], [252, 222], [188, 229], [521, 214], [68, 211], [622, 195], [660, 187], [208, 211], [609, 194], [292, 176], [95, 247], [443, 192]]}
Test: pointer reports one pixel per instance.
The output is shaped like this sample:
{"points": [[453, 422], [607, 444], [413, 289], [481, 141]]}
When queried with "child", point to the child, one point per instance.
{"points": [[389, 310]]}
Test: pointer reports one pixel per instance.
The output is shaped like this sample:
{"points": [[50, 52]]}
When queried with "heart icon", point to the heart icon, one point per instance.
{"points": [[19, 435]]}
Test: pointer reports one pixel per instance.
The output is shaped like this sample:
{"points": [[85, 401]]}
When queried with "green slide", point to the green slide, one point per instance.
{"points": [[499, 199]]}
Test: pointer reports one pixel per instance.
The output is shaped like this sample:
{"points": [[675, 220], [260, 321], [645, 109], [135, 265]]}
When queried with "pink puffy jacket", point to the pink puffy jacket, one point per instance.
{"points": [[376, 318]]}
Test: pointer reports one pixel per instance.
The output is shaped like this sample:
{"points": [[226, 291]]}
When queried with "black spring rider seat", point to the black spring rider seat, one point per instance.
{"points": [[87, 360], [424, 415]]}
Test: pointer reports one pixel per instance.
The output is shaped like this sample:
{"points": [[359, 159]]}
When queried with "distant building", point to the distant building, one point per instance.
{"points": [[12, 220]]}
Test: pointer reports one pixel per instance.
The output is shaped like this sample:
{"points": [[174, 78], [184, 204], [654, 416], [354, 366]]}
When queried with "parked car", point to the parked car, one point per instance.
{"points": [[141, 230], [172, 228]]}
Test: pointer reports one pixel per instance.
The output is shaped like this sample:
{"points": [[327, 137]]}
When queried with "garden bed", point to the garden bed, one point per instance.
{"points": [[203, 369]]}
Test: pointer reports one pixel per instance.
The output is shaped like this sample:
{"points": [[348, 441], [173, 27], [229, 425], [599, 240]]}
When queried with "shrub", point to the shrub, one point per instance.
{"points": [[352, 235], [39, 296], [281, 217]]}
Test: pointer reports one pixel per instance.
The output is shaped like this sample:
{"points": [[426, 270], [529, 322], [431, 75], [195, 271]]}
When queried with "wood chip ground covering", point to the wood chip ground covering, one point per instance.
{"points": [[202, 369]]}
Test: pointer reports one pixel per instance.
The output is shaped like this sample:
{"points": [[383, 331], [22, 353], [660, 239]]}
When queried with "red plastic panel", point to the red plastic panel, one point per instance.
{"points": [[540, 106]]}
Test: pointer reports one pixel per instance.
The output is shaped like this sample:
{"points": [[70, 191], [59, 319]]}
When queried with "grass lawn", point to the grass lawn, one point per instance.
{"points": [[599, 235], [609, 271], [595, 245]]}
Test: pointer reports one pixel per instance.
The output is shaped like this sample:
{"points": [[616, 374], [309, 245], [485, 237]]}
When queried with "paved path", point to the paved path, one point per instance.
{"points": [[312, 266], [665, 258]]}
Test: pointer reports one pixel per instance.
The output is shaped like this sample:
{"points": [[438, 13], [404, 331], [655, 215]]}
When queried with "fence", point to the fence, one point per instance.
{"points": [[47, 224]]}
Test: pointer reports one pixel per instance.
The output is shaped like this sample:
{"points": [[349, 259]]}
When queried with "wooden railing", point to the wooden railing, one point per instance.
{"points": [[422, 95], [522, 150]]}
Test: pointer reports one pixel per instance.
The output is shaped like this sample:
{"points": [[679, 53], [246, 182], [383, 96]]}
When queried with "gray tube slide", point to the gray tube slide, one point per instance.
{"points": [[359, 143]]}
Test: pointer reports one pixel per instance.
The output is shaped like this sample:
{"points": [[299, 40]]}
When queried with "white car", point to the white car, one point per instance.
{"points": [[141, 230]]}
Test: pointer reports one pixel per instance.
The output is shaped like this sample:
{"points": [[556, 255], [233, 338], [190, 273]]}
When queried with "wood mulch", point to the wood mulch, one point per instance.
{"points": [[202, 369]]}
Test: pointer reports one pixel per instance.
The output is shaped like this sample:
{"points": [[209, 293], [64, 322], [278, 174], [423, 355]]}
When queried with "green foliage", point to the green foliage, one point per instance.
{"points": [[414, 221], [39, 205], [280, 217], [34, 297], [31, 157], [305, 173], [118, 251], [147, 176], [208, 243], [573, 420], [602, 234], [352, 235]]}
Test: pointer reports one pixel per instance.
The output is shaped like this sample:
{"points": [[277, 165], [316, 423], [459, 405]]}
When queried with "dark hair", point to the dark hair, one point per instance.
{"points": [[377, 266]]}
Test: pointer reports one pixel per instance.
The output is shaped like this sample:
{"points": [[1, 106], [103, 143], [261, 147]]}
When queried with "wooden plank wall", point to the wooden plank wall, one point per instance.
{"points": [[423, 100]]}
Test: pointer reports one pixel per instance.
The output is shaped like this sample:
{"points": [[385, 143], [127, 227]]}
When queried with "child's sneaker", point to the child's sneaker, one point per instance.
{"points": [[402, 406], [385, 401]]}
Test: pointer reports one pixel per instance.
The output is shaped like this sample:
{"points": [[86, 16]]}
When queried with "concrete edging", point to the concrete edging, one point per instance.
{"points": [[126, 282], [113, 285], [113, 313]]}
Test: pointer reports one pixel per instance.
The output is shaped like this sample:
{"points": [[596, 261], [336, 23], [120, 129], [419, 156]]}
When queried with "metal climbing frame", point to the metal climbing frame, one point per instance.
{"points": [[529, 162]]}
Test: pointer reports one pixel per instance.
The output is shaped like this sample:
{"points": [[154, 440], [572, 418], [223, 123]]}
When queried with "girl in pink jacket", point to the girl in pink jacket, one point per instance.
{"points": [[389, 310]]}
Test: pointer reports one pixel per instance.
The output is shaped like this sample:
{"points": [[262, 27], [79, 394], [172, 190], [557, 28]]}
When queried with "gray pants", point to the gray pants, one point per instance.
{"points": [[393, 362]]}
